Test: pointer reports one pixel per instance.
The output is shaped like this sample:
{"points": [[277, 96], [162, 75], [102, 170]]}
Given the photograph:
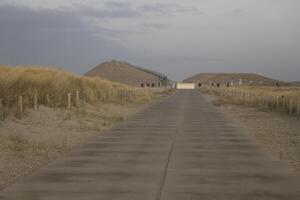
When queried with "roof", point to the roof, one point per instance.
{"points": [[228, 77], [125, 73]]}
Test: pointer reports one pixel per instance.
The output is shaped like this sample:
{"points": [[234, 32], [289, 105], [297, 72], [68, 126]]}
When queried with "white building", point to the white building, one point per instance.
{"points": [[185, 86]]}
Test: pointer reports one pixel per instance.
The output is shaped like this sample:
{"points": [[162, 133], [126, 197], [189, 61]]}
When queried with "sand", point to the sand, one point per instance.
{"points": [[278, 133], [46, 134]]}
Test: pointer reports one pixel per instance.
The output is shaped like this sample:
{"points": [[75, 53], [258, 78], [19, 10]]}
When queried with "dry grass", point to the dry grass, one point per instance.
{"points": [[282, 99], [52, 86]]}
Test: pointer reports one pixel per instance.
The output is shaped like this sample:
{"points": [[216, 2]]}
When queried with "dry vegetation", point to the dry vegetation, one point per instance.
{"points": [[52, 87], [44, 134], [264, 112], [280, 99]]}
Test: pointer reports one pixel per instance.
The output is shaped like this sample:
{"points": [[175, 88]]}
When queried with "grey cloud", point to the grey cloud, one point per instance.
{"points": [[37, 21], [53, 37], [117, 4], [240, 37], [22, 17], [128, 10], [155, 25], [108, 12], [163, 8]]}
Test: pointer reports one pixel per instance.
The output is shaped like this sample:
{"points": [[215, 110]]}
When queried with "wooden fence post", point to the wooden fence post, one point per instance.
{"points": [[83, 97], [35, 102], [69, 101], [298, 108], [291, 107], [109, 95], [48, 100], [77, 98], [21, 106], [283, 103], [58, 104], [113, 95], [1, 110]]}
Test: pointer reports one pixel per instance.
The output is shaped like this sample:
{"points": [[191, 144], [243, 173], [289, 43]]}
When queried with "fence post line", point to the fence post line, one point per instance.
{"points": [[272, 102], [83, 97], [92, 94], [77, 98], [48, 100], [35, 102], [1, 110], [58, 102], [21, 106], [298, 108], [69, 101], [291, 106], [98, 97]]}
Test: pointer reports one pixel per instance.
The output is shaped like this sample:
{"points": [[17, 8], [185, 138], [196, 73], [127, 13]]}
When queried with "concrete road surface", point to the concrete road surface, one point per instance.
{"points": [[179, 149]]}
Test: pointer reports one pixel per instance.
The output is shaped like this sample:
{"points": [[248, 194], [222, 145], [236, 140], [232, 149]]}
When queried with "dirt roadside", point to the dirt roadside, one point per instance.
{"points": [[279, 133]]}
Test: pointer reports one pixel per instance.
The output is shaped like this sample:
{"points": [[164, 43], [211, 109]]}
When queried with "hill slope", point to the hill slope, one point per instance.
{"points": [[223, 78], [126, 73], [52, 87]]}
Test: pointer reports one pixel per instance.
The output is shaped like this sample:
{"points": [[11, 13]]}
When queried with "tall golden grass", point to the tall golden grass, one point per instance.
{"points": [[52, 86], [281, 99]]}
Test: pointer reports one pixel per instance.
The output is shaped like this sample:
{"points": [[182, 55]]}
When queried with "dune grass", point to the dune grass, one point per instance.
{"points": [[52, 86], [281, 99]]}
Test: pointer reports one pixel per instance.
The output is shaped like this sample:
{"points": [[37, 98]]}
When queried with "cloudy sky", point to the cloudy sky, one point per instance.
{"points": [[176, 37]]}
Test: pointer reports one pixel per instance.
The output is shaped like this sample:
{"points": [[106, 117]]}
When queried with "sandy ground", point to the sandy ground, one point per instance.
{"points": [[43, 135], [279, 133]]}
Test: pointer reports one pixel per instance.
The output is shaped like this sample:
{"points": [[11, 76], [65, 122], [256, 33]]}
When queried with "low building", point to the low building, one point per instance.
{"points": [[185, 86], [232, 79]]}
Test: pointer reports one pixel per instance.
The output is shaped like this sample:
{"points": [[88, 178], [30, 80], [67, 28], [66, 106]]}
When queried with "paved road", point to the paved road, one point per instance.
{"points": [[179, 149]]}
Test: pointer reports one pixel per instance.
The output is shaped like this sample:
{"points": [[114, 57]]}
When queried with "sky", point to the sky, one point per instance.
{"points": [[179, 38]]}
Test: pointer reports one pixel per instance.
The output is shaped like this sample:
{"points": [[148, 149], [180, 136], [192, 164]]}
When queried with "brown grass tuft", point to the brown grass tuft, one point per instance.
{"points": [[52, 86], [283, 99]]}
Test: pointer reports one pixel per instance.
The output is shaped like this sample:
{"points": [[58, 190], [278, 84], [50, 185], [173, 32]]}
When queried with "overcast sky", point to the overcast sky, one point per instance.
{"points": [[177, 37]]}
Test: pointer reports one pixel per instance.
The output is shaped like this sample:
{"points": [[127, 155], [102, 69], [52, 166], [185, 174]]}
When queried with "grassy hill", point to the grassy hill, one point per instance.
{"points": [[52, 87], [223, 78]]}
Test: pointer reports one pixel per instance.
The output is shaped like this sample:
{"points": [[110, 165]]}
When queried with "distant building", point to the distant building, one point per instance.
{"points": [[232, 83], [235, 79], [240, 82], [185, 86], [126, 73]]}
